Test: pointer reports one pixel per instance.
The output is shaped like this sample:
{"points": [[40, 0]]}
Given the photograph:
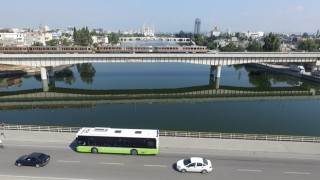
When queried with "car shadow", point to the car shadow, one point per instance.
{"points": [[174, 167]]}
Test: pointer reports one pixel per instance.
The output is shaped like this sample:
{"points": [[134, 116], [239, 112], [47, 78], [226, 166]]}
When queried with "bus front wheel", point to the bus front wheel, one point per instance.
{"points": [[94, 151], [133, 152]]}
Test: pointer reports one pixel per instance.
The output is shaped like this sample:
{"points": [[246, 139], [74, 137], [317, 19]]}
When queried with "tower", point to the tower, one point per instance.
{"points": [[197, 25]]}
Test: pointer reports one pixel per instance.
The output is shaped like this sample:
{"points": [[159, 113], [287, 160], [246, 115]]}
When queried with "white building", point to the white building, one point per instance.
{"points": [[10, 39], [33, 37], [147, 31], [254, 35], [100, 39], [216, 32], [69, 30]]}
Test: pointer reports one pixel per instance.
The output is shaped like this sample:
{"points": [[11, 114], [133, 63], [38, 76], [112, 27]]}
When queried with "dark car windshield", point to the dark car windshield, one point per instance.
{"points": [[186, 161], [42, 156]]}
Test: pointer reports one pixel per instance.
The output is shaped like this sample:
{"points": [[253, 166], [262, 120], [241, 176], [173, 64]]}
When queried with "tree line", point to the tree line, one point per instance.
{"points": [[271, 43]]}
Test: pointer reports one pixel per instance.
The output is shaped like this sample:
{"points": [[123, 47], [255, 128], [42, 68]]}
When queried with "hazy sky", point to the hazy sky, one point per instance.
{"points": [[165, 15]]}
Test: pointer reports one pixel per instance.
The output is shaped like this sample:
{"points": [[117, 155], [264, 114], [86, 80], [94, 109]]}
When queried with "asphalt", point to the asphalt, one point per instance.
{"points": [[180, 142]]}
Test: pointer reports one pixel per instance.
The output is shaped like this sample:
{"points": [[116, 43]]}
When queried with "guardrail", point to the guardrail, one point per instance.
{"points": [[165, 133], [40, 128], [312, 139]]}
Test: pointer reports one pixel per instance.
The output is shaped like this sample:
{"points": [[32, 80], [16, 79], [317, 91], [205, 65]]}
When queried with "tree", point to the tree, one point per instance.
{"points": [[209, 42], [65, 42], [232, 47], [82, 37], [254, 46], [308, 45], [53, 42], [183, 34], [305, 35], [74, 34], [37, 44], [198, 39], [271, 43], [113, 38]]}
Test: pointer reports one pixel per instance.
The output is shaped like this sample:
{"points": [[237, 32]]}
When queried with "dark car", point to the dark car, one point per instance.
{"points": [[34, 159]]}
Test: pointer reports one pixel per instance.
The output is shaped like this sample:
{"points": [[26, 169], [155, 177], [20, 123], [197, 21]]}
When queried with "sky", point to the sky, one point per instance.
{"points": [[166, 15]]}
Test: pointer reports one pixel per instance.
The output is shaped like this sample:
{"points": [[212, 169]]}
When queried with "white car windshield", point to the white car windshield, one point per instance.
{"points": [[205, 161]]}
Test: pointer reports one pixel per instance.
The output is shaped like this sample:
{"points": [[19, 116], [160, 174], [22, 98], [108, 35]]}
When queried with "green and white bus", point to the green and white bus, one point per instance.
{"points": [[118, 141]]}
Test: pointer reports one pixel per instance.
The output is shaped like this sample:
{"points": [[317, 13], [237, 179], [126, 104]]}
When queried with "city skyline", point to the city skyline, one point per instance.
{"points": [[165, 15]]}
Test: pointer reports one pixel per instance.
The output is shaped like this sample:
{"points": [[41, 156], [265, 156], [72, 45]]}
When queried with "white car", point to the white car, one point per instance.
{"points": [[194, 164]]}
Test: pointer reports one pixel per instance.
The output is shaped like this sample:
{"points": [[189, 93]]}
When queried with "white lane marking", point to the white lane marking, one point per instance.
{"points": [[38, 177], [300, 173], [61, 147], [112, 163], [240, 155], [63, 161], [150, 165], [249, 170]]}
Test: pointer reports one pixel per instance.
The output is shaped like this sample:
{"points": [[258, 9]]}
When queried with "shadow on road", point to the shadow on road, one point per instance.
{"points": [[73, 145], [174, 167]]}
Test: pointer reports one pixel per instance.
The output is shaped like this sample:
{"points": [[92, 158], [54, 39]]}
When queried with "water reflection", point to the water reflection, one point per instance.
{"points": [[155, 96], [10, 82], [211, 92], [257, 78], [87, 72]]}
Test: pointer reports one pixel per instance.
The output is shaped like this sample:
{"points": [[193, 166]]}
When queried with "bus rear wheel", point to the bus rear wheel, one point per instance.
{"points": [[94, 151], [134, 152]]}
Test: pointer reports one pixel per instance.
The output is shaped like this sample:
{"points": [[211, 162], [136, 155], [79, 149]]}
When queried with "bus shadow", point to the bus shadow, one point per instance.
{"points": [[73, 145]]}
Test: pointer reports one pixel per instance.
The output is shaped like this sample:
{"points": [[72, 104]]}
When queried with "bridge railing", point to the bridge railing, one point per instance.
{"points": [[164, 133], [40, 128], [242, 136]]}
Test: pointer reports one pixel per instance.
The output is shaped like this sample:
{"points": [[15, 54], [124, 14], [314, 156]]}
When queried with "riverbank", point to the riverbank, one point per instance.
{"points": [[286, 70], [10, 70]]}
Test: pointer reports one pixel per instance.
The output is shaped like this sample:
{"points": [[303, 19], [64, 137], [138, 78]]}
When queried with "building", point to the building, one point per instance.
{"points": [[35, 36], [254, 35], [318, 34], [215, 32], [12, 39], [100, 39], [197, 26], [147, 31]]}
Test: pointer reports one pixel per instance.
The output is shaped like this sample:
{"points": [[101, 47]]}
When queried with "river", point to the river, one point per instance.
{"points": [[167, 96]]}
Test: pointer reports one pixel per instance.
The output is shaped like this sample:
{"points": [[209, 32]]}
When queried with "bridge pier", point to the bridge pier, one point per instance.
{"points": [[215, 71], [314, 68], [214, 82], [50, 71], [43, 72], [45, 86]]}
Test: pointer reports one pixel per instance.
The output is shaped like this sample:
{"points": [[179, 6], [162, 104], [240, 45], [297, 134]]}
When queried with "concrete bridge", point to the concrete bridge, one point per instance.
{"points": [[46, 62]]}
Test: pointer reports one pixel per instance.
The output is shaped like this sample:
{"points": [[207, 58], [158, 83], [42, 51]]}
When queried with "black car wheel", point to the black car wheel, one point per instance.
{"points": [[37, 165], [133, 152], [94, 151], [204, 171], [19, 164]]}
